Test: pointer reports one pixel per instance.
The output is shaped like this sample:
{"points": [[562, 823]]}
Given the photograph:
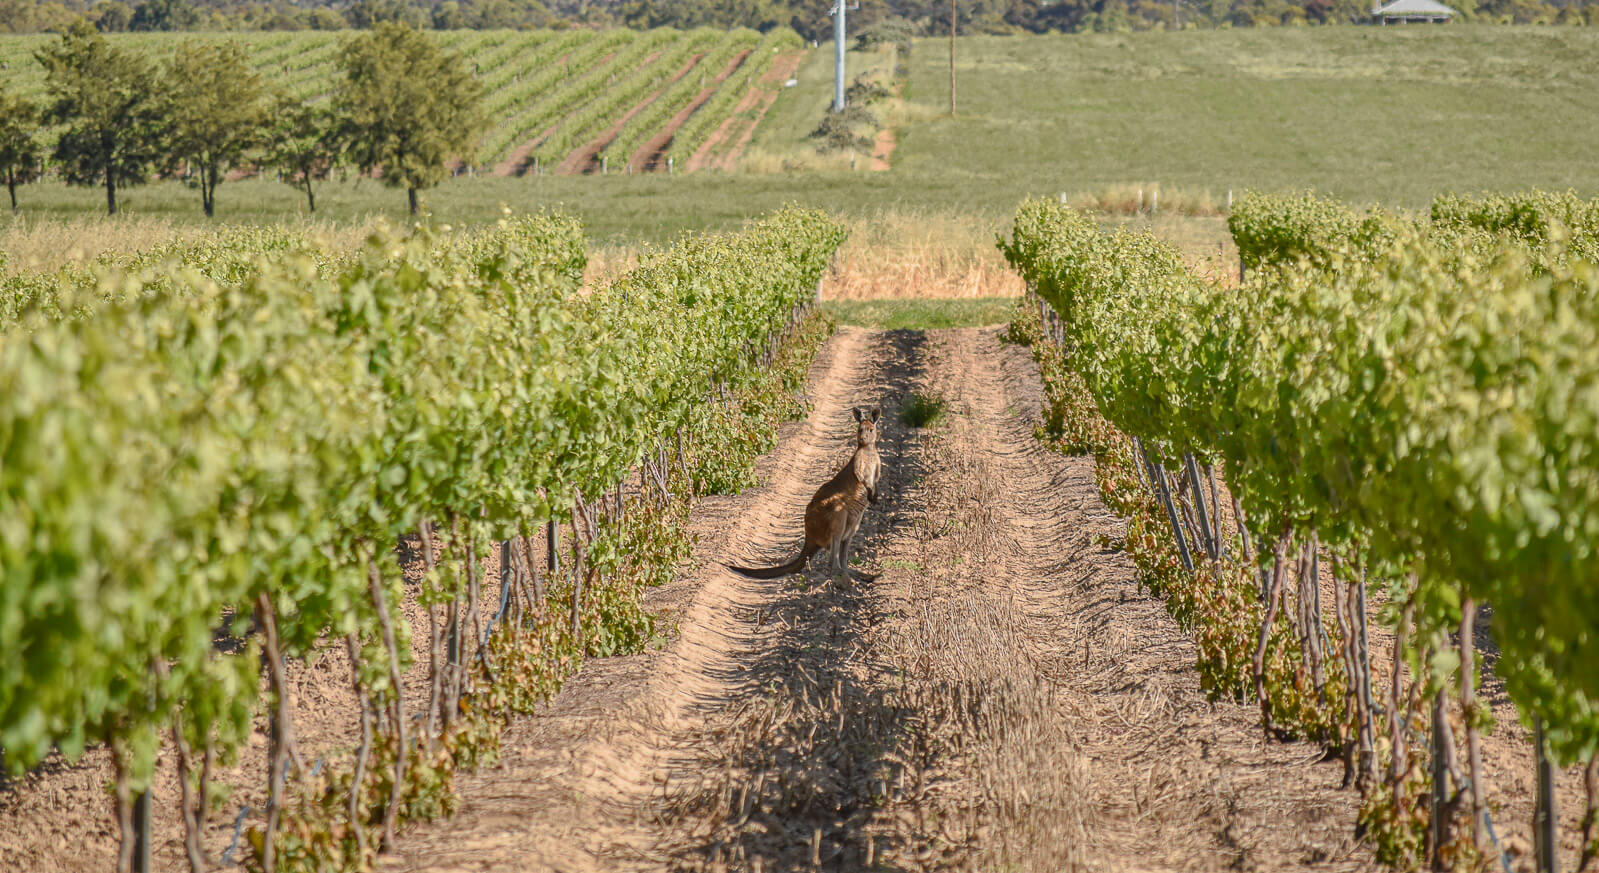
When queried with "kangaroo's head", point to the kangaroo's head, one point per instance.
{"points": [[866, 425]]}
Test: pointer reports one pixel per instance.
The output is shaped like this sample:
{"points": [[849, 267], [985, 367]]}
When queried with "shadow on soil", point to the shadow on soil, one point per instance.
{"points": [[807, 760]]}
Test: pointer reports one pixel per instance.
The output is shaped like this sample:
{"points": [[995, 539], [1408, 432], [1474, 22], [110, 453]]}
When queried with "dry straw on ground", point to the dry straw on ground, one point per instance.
{"points": [[1151, 198], [915, 254], [606, 263], [52, 243]]}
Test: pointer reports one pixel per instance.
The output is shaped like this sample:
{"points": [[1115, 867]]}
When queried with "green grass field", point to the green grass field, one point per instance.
{"points": [[921, 314], [1388, 115], [1392, 115]]}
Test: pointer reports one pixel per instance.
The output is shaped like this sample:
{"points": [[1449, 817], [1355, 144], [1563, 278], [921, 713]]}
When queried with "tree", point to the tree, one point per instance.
{"points": [[303, 144], [219, 115], [111, 16], [364, 14], [164, 15], [323, 18], [407, 105], [108, 100], [448, 16], [19, 151]]}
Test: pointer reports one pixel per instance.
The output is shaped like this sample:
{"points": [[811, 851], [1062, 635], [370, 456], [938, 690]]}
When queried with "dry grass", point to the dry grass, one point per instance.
{"points": [[897, 254], [30, 245], [607, 262], [801, 159], [53, 243], [1149, 198], [1014, 777]]}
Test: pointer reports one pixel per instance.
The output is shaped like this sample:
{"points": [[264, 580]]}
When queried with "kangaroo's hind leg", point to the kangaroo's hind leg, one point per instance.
{"points": [[849, 548]]}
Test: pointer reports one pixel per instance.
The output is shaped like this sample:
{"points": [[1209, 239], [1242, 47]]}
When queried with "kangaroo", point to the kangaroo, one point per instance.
{"points": [[834, 513]]}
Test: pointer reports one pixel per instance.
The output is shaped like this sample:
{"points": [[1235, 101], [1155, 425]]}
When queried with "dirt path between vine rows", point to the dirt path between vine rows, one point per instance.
{"points": [[516, 163], [584, 157], [739, 128], [648, 156], [1003, 697]]}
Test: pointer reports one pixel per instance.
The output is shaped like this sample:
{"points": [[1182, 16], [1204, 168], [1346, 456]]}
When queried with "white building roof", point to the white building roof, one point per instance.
{"points": [[1416, 7]]}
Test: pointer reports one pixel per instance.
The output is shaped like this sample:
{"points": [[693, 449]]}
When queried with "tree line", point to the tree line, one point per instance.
{"points": [[809, 17], [900, 18], [403, 108]]}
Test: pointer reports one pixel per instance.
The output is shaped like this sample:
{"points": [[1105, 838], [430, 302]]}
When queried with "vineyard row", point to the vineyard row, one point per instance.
{"points": [[212, 456], [1414, 405], [547, 93]]}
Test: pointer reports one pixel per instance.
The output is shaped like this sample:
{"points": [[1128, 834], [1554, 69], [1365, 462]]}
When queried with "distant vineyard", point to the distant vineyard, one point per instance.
{"points": [[559, 101]]}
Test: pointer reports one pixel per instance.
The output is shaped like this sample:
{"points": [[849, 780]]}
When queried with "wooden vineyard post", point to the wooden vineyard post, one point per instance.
{"points": [[1203, 511], [552, 539], [1546, 844], [1468, 712], [577, 569], [1158, 473], [391, 810], [1441, 806], [141, 832], [507, 562]]}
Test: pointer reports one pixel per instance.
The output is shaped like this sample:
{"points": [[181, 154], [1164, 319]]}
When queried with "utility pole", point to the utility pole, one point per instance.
{"points": [[951, 58], [838, 56]]}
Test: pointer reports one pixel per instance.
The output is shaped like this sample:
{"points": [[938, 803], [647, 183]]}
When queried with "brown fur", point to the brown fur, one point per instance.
{"points": [[835, 512]]}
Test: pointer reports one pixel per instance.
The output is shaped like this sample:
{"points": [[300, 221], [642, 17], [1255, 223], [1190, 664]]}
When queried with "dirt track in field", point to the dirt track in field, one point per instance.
{"points": [[1003, 697]]}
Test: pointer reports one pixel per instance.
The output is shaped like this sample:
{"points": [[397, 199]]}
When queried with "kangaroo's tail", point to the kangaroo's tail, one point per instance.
{"points": [[793, 566]]}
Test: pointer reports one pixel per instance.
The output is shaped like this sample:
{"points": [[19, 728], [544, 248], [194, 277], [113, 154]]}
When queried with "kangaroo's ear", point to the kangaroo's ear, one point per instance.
{"points": [[877, 412], [857, 411]]}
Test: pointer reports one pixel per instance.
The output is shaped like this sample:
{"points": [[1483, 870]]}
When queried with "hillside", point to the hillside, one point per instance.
{"points": [[1387, 115], [569, 101], [1371, 114]]}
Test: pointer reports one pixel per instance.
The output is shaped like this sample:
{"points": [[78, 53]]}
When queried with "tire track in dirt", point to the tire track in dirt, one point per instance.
{"points": [[575, 787]]}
